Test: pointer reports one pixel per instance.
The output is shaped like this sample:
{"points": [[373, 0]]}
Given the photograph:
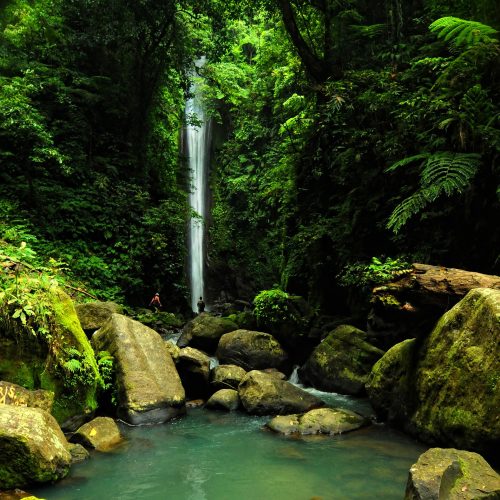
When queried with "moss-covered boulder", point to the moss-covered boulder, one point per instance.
{"points": [[342, 362], [100, 434], [262, 394], [204, 332], [457, 382], [93, 315], [33, 447], [319, 421], [445, 389], [252, 350], [149, 387], [226, 377], [389, 385], [72, 372], [225, 399], [12, 394], [194, 369], [67, 368], [453, 475]]}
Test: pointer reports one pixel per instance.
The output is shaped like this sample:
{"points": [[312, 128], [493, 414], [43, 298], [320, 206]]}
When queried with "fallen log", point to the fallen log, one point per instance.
{"points": [[437, 285], [410, 305]]}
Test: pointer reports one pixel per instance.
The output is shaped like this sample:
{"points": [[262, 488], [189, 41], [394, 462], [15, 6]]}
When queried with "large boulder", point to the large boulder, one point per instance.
{"points": [[389, 385], [100, 434], [457, 382], [445, 389], [12, 394], [262, 394], [225, 399], [93, 315], [226, 377], [453, 475], [68, 368], [149, 387], [33, 447], [320, 421], [342, 362], [252, 350], [194, 370], [204, 332]]}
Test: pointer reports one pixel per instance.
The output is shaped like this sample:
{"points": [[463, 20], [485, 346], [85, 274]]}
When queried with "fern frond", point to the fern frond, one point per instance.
{"points": [[407, 209], [444, 172], [449, 172], [72, 365], [406, 161], [463, 33]]}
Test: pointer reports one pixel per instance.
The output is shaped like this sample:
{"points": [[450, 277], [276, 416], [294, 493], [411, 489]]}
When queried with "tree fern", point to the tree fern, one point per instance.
{"points": [[450, 172], [407, 161], [463, 33], [444, 173]]}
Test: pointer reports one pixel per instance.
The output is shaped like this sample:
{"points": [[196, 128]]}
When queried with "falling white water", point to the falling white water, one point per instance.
{"points": [[197, 149], [294, 377]]}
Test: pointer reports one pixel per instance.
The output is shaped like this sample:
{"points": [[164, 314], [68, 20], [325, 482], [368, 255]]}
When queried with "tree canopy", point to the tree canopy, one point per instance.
{"points": [[345, 129]]}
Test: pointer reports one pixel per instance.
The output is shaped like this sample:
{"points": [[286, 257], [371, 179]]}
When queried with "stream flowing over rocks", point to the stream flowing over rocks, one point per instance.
{"points": [[441, 388]]}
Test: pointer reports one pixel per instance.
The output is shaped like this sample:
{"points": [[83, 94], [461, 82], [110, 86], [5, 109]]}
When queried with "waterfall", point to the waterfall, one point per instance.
{"points": [[294, 377], [198, 136]]}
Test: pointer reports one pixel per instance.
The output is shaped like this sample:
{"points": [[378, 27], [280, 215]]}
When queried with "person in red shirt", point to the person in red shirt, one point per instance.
{"points": [[156, 302]]}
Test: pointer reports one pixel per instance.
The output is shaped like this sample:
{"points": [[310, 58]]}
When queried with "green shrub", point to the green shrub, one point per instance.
{"points": [[377, 272]]}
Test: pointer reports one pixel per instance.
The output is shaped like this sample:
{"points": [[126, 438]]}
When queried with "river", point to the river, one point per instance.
{"points": [[224, 456]]}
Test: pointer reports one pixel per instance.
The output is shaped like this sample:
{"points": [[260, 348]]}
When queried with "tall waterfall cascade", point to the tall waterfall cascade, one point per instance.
{"points": [[198, 138]]}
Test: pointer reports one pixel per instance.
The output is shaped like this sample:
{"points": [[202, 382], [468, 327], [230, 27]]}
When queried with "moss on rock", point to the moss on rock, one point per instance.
{"points": [[341, 362], [73, 396], [458, 373], [389, 383]]}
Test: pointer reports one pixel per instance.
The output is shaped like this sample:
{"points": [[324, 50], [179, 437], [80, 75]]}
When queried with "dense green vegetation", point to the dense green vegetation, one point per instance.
{"points": [[345, 130]]}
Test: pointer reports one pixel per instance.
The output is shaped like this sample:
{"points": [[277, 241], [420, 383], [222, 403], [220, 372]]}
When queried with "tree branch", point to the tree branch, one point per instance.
{"points": [[314, 66]]}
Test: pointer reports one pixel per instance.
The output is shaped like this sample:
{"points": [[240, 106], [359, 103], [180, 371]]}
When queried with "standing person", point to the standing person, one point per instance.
{"points": [[201, 305], [156, 302]]}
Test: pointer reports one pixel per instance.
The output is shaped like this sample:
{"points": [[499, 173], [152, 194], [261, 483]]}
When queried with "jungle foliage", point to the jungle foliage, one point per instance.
{"points": [[356, 129], [91, 97], [345, 129]]}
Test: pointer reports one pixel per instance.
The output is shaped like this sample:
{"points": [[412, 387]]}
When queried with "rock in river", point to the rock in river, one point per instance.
{"points": [[33, 447], [204, 332], [93, 315], [100, 434], [451, 474], [445, 389], [342, 362], [194, 370], [149, 387], [252, 350], [226, 377], [320, 421], [225, 399], [262, 394]]}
